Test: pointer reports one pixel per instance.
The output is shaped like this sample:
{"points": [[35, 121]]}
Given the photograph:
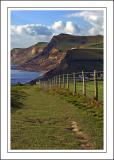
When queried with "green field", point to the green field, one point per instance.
{"points": [[41, 119], [89, 89]]}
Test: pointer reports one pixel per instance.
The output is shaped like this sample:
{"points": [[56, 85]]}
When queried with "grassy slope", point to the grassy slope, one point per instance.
{"points": [[96, 45], [64, 46], [42, 121], [41, 44]]}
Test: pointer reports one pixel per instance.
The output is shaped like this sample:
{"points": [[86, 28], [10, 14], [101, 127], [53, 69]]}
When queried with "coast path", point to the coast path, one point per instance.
{"points": [[48, 120]]}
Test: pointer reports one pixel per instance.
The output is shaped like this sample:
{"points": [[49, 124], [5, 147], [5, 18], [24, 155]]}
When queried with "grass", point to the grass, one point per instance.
{"points": [[96, 45], [43, 120], [89, 89]]}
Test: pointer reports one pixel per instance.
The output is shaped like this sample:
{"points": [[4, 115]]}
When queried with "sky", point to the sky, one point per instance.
{"points": [[31, 26]]}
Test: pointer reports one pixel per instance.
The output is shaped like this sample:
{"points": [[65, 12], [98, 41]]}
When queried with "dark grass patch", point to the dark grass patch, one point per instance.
{"points": [[17, 97]]}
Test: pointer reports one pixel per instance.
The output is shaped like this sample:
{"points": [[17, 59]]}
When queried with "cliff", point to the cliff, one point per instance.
{"points": [[64, 53]]}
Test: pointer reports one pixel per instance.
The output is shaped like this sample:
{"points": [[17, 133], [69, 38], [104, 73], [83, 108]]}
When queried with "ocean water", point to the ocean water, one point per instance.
{"points": [[19, 76]]}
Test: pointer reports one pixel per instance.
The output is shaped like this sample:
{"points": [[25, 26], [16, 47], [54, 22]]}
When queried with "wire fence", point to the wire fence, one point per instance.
{"points": [[89, 84]]}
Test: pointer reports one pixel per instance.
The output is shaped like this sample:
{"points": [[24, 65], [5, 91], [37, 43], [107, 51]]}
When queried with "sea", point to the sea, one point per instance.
{"points": [[20, 76]]}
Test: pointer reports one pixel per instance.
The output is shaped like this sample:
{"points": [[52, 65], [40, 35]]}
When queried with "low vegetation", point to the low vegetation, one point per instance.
{"points": [[47, 119], [17, 96]]}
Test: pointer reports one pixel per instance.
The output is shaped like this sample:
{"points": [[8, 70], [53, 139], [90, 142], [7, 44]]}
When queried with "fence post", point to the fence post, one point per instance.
{"points": [[49, 83], [63, 81], [68, 82], [39, 84], [95, 85], [74, 79], [84, 84], [60, 81], [44, 84], [56, 81], [53, 81]]}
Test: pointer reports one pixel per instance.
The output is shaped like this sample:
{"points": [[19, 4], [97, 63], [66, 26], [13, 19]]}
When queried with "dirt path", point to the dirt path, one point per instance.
{"points": [[83, 138]]}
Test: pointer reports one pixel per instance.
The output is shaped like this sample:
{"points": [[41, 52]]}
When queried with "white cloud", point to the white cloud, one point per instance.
{"points": [[94, 18], [31, 29], [59, 25], [26, 35], [65, 27], [71, 28], [29, 34]]}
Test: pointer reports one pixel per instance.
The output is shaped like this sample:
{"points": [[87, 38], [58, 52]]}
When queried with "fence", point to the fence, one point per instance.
{"points": [[87, 83]]}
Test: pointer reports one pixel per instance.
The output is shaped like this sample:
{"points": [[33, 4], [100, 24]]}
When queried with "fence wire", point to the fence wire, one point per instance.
{"points": [[89, 84]]}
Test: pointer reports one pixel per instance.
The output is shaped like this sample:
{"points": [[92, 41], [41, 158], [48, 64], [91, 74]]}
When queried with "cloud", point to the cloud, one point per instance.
{"points": [[72, 28], [93, 18], [65, 27], [59, 25], [31, 29], [29, 34], [26, 35]]}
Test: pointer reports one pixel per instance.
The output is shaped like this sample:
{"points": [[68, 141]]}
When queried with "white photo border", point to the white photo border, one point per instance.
{"points": [[7, 37]]}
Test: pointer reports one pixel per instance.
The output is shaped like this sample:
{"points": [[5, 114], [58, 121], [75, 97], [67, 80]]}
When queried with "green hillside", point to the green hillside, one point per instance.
{"points": [[95, 45]]}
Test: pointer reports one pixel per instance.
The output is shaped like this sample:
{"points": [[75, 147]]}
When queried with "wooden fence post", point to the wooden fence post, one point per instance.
{"points": [[95, 85], [39, 84], [74, 79], [60, 81], [84, 84], [44, 84], [56, 80], [53, 81], [63, 81], [49, 83], [68, 82]]}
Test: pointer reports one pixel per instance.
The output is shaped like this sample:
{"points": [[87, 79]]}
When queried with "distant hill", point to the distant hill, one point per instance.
{"points": [[22, 55], [63, 53]]}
